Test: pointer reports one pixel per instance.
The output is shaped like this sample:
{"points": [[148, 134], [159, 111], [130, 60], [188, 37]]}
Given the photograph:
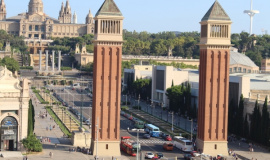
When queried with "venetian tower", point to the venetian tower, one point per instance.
{"points": [[3, 11], [35, 6], [214, 81], [107, 80]]}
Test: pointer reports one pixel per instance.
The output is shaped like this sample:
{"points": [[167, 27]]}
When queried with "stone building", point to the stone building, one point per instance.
{"points": [[14, 98], [35, 24], [81, 55]]}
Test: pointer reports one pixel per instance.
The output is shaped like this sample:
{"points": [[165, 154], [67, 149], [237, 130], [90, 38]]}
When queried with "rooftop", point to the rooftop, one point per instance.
{"points": [[109, 8], [216, 12]]}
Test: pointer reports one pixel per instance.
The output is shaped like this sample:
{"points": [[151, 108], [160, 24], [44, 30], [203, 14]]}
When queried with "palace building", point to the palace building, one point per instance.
{"points": [[35, 24]]}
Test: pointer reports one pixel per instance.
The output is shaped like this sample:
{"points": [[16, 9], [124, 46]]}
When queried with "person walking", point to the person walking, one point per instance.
{"points": [[51, 154]]}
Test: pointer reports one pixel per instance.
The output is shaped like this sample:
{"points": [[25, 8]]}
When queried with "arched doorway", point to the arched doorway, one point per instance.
{"points": [[9, 134]]}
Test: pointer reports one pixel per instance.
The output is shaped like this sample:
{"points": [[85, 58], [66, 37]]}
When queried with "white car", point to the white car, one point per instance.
{"points": [[149, 155]]}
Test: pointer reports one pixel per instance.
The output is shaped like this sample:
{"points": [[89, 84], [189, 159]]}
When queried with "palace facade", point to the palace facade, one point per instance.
{"points": [[35, 24]]}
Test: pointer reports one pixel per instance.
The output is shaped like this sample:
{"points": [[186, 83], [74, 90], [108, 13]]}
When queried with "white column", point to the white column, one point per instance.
{"points": [[47, 60], [40, 56], [53, 60], [59, 60]]}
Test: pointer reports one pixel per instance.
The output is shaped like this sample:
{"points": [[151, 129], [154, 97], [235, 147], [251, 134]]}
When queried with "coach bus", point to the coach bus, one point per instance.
{"points": [[152, 130], [182, 143], [139, 124]]}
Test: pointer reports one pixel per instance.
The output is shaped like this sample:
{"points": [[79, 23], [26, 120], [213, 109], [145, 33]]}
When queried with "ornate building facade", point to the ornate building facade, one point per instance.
{"points": [[14, 98], [35, 24]]}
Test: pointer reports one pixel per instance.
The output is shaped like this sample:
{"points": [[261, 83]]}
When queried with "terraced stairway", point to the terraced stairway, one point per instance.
{"points": [[67, 119]]}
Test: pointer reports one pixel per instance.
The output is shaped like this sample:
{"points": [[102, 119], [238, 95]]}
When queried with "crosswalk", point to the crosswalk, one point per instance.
{"points": [[155, 141]]}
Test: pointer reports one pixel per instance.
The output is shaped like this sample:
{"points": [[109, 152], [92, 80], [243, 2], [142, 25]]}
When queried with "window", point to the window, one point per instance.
{"points": [[234, 69], [215, 146], [245, 70], [230, 70], [239, 69], [30, 28], [107, 146], [249, 71], [36, 28], [30, 35], [43, 28]]}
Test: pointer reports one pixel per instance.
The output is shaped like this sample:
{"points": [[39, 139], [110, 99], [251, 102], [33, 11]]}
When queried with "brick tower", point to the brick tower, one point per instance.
{"points": [[107, 80], [214, 81]]}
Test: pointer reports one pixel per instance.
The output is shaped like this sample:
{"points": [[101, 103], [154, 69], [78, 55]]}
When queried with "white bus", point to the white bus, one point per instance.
{"points": [[182, 143]]}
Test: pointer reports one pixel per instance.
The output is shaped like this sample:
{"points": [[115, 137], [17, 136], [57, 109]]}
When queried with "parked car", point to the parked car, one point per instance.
{"points": [[159, 155], [146, 136], [187, 156], [168, 146], [149, 155]]}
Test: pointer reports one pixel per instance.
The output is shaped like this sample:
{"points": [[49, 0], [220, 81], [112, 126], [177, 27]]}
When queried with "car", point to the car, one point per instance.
{"points": [[149, 155], [168, 138], [146, 136], [159, 155], [155, 158], [168, 146], [187, 156]]}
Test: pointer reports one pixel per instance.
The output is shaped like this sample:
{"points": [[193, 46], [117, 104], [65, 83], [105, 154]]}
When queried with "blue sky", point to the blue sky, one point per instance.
{"points": [[161, 15]]}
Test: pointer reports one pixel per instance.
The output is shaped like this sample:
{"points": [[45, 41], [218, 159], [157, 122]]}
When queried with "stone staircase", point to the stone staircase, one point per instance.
{"points": [[67, 119], [18, 57]]}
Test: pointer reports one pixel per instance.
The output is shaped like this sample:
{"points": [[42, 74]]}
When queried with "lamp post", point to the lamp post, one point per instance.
{"points": [[191, 129], [161, 109], [97, 139], [172, 119], [151, 107], [139, 101], [137, 155]]}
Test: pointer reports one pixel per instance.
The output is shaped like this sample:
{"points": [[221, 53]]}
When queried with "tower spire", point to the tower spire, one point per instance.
{"points": [[3, 12]]}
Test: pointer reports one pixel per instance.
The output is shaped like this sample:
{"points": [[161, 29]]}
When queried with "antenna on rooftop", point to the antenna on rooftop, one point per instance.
{"points": [[251, 13]]}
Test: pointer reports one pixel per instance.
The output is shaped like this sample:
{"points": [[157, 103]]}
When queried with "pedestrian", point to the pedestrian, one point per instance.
{"points": [[252, 150], [50, 154], [55, 145], [127, 128], [69, 150], [239, 144]]}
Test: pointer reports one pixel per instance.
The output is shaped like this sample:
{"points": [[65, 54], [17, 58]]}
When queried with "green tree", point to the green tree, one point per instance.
{"points": [[240, 116], [265, 124], [32, 144], [10, 63], [255, 125]]}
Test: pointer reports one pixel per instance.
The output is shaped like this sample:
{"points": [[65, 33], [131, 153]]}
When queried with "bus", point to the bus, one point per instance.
{"points": [[129, 146], [152, 130], [139, 124], [182, 143]]}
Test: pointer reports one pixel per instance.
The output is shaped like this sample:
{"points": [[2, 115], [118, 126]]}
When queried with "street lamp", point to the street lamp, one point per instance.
{"points": [[191, 128], [151, 107], [172, 120], [97, 139], [161, 110], [138, 146], [139, 97]]}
